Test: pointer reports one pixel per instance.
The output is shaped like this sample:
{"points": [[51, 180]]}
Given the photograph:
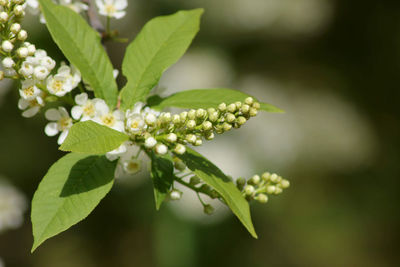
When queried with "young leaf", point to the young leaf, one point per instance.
{"points": [[215, 178], [204, 98], [92, 138], [162, 173], [68, 193], [81, 45], [159, 45]]}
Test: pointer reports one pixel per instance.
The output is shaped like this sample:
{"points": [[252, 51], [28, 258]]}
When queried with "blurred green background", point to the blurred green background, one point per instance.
{"points": [[333, 65]]}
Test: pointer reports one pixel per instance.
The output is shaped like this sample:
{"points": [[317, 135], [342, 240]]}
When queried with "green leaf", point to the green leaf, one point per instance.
{"points": [[160, 44], [162, 173], [68, 193], [215, 178], [92, 138], [82, 47], [204, 98]]}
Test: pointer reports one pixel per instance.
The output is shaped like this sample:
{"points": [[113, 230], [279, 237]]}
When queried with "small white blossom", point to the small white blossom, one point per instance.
{"points": [[29, 90], [171, 137], [112, 8], [22, 35], [59, 85], [15, 28], [47, 62], [71, 73], [23, 52], [32, 107], [7, 46], [104, 116], [131, 166], [180, 149], [85, 108], [60, 122], [41, 73], [175, 195]]}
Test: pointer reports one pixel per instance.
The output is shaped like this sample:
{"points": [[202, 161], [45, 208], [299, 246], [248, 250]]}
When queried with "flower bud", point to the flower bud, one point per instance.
{"points": [[256, 105], [230, 117], [274, 178], [23, 52], [231, 108], [194, 180], [3, 17], [180, 149], [191, 138], [198, 142], [271, 189], [227, 127], [214, 194], [209, 135], [176, 119], [238, 104], [249, 190], [19, 10], [8, 62], [255, 180], [171, 137], [265, 176], [22, 35], [192, 114], [179, 165], [7, 46], [183, 116], [150, 119], [161, 149], [191, 124], [31, 49], [15, 28], [166, 117], [211, 111], [222, 107], [278, 191], [262, 198], [285, 183], [249, 101], [245, 109], [213, 117], [206, 189], [150, 142], [240, 183], [175, 195], [200, 113], [208, 209], [241, 120], [253, 112], [207, 125]]}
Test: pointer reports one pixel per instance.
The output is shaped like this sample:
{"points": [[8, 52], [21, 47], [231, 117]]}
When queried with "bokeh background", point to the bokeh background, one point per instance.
{"points": [[332, 65]]}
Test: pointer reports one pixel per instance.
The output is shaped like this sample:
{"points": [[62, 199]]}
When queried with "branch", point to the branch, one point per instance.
{"points": [[94, 19]]}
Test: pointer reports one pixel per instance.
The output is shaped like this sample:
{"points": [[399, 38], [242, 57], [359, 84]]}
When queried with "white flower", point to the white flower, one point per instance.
{"points": [[112, 8], [150, 142], [71, 73], [61, 122], [59, 85], [32, 107], [171, 137], [85, 108], [47, 62], [41, 73], [131, 166], [7, 46], [29, 91], [180, 149], [104, 116], [12, 207]]}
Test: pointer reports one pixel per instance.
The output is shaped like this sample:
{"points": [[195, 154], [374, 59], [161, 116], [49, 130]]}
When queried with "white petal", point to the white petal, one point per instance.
{"points": [[119, 126], [29, 113], [63, 112], [76, 112], [119, 15], [51, 129], [138, 107], [101, 107], [119, 115], [23, 104], [115, 73], [81, 99], [121, 4], [52, 114], [62, 137]]}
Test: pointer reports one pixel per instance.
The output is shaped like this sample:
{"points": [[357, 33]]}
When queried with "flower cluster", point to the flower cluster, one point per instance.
{"points": [[112, 8], [258, 188]]}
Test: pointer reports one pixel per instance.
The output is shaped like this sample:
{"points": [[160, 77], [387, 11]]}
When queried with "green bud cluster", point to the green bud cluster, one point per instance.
{"points": [[259, 187], [196, 125]]}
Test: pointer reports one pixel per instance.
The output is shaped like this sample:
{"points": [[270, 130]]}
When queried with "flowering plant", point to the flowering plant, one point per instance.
{"points": [[105, 129]]}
